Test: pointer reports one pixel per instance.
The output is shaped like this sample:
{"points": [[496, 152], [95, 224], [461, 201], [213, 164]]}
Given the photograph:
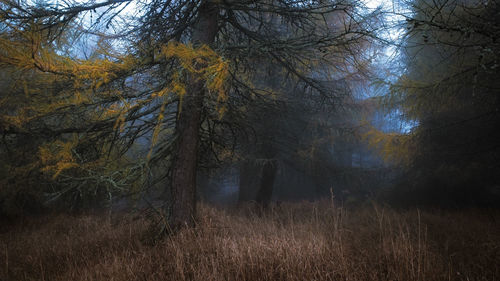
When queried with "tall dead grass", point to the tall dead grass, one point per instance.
{"points": [[307, 241]]}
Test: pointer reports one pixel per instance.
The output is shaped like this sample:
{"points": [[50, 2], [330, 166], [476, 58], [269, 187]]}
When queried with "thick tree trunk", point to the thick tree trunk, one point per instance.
{"points": [[183, 183]]}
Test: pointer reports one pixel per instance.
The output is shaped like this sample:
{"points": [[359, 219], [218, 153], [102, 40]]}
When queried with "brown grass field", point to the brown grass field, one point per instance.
{"points": [[296, 241]]}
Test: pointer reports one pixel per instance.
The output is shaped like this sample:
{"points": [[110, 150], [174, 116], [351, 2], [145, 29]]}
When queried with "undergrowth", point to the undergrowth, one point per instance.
{"points": [[306, 241]]}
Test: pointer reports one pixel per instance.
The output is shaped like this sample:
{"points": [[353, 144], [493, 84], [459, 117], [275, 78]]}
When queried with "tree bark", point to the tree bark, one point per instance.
{"points": [[183, 182]]}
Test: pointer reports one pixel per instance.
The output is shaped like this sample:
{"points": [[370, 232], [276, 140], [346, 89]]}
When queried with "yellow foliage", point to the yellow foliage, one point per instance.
{"points": [[87, 76], [393, 147], [57, 156], [205, 64], [84, 82]]}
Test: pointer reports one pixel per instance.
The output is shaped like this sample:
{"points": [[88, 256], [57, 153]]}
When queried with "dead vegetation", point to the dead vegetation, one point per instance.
{"points": [[306, 241]]}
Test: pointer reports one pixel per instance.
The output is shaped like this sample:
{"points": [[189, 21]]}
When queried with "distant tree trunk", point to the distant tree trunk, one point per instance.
{"points": [[268, 174], [183, 183], [249, 175], [265, 192]]}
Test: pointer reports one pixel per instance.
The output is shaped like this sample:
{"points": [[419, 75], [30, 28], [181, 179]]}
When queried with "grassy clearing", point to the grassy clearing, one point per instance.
{"points": [[307, 241]]}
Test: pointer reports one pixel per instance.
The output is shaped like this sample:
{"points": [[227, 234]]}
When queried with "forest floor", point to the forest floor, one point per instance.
{"points": [[295, 241]]}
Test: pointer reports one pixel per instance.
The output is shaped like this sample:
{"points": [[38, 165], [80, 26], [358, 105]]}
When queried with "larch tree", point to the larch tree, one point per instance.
{"points": [[448, 90], [180, 73]]}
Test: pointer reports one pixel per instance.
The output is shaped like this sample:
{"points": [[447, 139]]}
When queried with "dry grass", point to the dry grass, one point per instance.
{"points": [[307, 241]]}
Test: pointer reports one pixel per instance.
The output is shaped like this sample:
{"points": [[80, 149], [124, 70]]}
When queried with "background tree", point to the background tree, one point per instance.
{"points": [[449, 90]]}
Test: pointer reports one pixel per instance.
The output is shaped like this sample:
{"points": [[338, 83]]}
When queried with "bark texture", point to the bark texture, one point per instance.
{"points": [[183, 183]]}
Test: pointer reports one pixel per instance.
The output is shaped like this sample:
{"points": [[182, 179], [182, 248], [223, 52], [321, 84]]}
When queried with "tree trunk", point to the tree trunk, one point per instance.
{"points": [[249, 176], [265, 193], [183, 183]]}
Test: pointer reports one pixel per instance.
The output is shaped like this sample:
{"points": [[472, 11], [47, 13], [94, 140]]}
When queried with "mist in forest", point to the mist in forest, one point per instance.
{"points": [[249, 140]]}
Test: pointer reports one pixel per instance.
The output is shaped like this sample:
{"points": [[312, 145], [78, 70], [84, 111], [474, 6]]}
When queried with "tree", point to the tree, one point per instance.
{"points": [[183, 81], [449, 90]]}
